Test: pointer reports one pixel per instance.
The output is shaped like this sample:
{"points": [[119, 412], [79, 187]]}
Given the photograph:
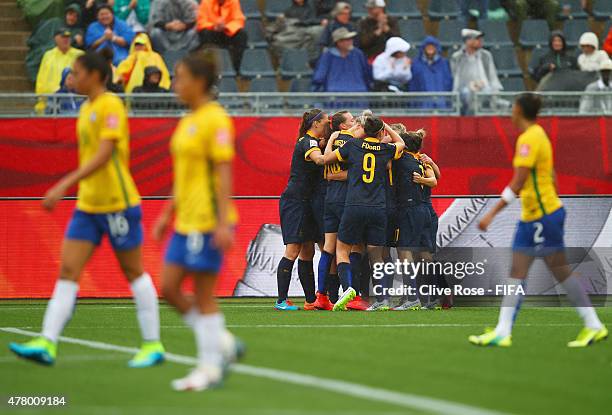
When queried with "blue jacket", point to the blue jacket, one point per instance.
{"points": [[120, 28], [70, 104], [434, 76], [337, 74]]}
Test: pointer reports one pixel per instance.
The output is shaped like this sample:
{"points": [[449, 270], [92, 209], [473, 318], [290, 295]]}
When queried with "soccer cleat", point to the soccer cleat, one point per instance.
{"points": [[285, 306], [150, 354], [434, 305], [588, 336], [408, 305], [344, 299], [358, 304], [39, 350], [309, 306], [490, 338], [199, 379], [322, 302], [380, 306]]}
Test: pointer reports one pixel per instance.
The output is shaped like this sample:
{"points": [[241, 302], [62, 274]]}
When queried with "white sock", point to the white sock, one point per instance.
{"points": [[509, 308], [208, 329], [147, 308], [190, 316], [579, 298], [60, 308]]}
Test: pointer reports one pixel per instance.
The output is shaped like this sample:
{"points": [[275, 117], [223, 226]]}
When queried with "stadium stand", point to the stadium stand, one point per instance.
{"points": [[443, 10], [227, 67], [403, 9], [250, 8], [255, 33], [13, 48], [573, 29], [266, 84], [228, 85], [359, 9], [300, 85], [412, 31], [256, 63], [172, 57], [294, 64], [496, 33], [276, 8], [449, 33], [506, 62], [572, 9], [534, 34], [602, 10], [513, 84]]}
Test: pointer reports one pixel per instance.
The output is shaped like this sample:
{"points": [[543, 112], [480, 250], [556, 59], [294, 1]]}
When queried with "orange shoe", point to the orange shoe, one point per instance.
{"points": [[322, 302], [358, 304], [309, 306]]}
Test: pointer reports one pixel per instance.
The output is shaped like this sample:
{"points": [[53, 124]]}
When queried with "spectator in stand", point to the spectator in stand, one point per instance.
{"points": [[607, 46], [376, 29], [53, 63], [131, 71], [72, 21], [173, 25], [323, 8], [134, 12], [557, 58], [341, 15], [473, 69], [591, 57], [69, 104], [483, 9], [520, 10], [110, 32], [431, 71], [221, 23], [599, 103], [342, 68], [391, 68], [88, 10], [151, 82]]}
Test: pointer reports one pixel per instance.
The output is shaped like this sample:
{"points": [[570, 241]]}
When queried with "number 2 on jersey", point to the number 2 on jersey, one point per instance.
{"points": [[369, 165]]}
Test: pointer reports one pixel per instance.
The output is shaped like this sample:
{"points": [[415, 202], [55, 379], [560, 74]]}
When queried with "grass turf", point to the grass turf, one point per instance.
{"points": [[428, 356]]}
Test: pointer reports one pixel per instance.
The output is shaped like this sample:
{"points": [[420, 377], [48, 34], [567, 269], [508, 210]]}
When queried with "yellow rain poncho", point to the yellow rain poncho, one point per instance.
{"points": [[131, 70]]}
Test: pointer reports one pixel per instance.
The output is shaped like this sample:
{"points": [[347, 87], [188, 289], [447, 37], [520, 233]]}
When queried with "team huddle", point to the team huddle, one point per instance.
{"points": [[357, 186]]}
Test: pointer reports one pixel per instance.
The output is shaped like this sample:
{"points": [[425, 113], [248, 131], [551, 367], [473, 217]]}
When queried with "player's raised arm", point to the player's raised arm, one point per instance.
{"points": [[395, 139], [428, 160]]}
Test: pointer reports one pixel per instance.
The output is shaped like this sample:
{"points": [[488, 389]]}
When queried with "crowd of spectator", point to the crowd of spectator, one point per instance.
{"points": [[140, 37]]}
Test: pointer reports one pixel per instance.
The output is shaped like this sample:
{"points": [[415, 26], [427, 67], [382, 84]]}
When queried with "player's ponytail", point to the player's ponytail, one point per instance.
{"points": [[308, 118], [414, 139], [373, 126]]}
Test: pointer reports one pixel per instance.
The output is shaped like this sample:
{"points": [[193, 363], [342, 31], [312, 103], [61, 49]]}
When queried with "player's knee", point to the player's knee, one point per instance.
{"points": [[69, 272], [170, 292], [292, 251]]}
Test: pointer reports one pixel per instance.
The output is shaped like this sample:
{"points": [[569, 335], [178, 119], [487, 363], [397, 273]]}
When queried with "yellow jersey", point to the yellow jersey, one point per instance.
{"points": [[111, 188], [201, 139], [538, 196]]}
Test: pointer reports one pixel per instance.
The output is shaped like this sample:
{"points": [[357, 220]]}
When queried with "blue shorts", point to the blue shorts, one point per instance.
{"points": [[194, 252], [333, 216], [363, 224], [415, 228], [124, 228], [541, 237], [298, 222]]}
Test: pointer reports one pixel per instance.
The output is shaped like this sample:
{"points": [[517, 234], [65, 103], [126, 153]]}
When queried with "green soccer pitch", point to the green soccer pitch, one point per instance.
{"points": [[317, 363]]}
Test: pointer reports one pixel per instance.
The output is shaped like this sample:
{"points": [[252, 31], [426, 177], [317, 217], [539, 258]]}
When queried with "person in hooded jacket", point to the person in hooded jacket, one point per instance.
{"points": [[132, 70], [391, 69], [151, 81], [591, 57], [71, 103], [431, 71], [558, 58]]}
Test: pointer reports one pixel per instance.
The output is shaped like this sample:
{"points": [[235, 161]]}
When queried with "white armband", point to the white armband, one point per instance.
{"points": [[508, 195]]}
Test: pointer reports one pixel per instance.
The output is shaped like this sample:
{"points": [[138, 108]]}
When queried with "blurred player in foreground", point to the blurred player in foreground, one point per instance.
{"points": [[202, 148], [539, 232], [108, 204]]}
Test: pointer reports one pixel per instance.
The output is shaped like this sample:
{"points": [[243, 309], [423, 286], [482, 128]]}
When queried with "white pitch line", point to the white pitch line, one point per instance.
{"points": [[406, 400]]}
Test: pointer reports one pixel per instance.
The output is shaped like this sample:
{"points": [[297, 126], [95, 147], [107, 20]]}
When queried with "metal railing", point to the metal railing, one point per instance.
{"points": [[294, 104]]}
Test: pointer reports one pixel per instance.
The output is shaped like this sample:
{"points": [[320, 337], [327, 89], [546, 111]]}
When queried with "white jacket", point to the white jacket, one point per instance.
{"points": [[388, 69], [593, 61]]}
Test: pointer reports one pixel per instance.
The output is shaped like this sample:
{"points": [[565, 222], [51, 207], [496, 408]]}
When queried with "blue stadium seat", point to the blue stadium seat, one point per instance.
{"points": [[266, 84], [228, 85], [226, 65], [250, 9], [443, 9], [255, 32], [573, 29], [404, 9], [172, 57], [576, 11], [301, 85], [449, 33], [275, 8], [496, 33], [294, 64], [602, 9], [506, 62], [534, 34], [513, 84], [412, 31], [359, 10], [256, 63]]}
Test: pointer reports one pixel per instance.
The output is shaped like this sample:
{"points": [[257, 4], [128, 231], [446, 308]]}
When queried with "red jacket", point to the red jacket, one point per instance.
{"points": [[230, 14], [607, 46]]}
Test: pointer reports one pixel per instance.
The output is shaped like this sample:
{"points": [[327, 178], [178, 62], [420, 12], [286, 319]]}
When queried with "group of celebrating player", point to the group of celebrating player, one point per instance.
{"points": [[357, 186]]}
